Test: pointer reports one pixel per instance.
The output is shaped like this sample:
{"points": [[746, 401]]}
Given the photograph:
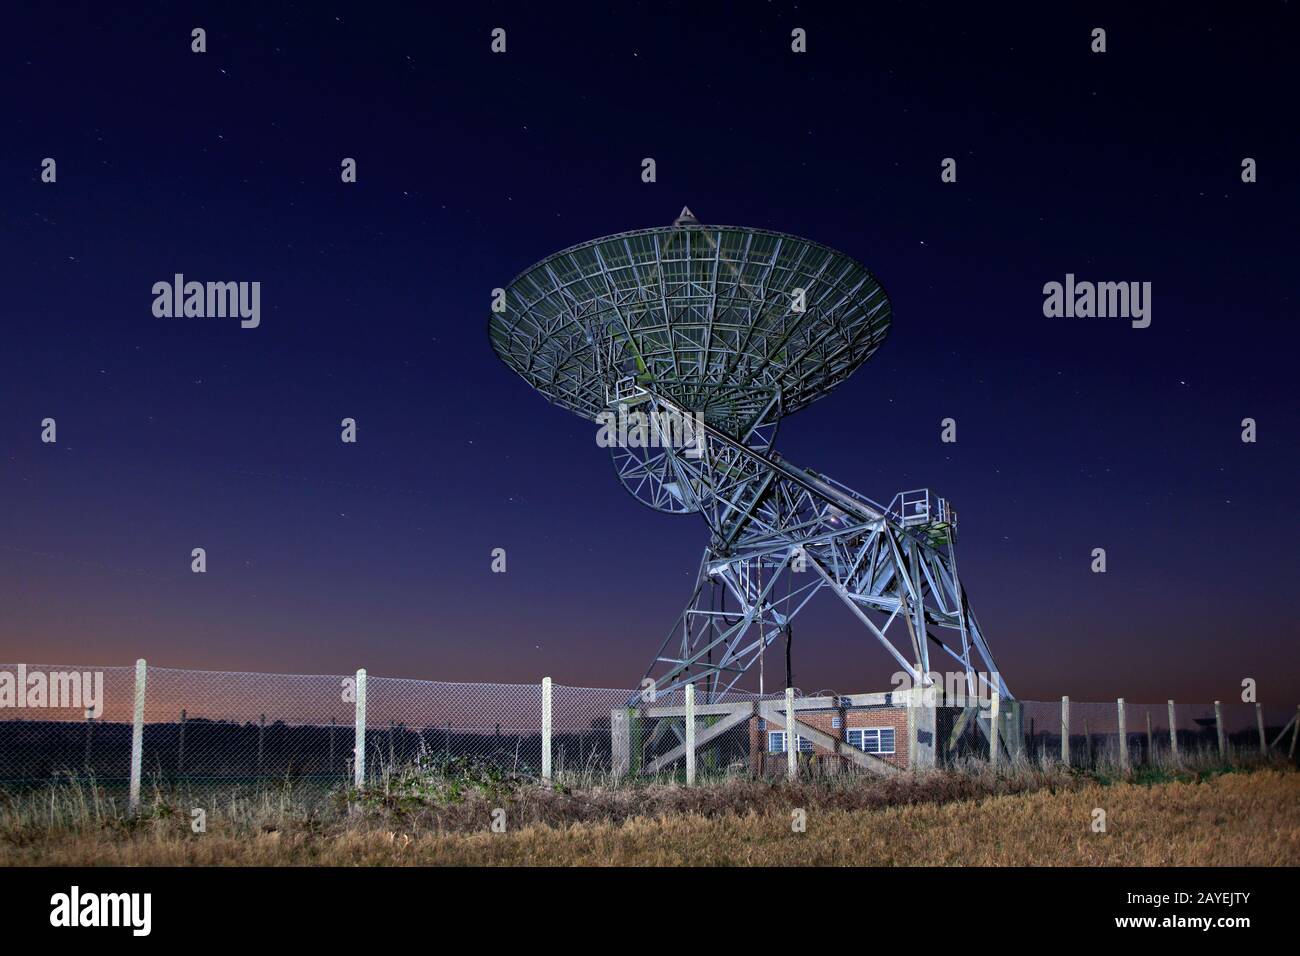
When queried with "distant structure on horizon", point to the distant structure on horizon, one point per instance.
{"points": [[705, 337]]}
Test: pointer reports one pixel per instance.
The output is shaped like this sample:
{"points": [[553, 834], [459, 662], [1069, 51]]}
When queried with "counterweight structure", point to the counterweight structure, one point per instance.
{"points": [[706, 337]]}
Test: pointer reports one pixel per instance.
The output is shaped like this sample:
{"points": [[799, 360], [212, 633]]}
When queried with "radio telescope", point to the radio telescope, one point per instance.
{"points": [[725, 330]]}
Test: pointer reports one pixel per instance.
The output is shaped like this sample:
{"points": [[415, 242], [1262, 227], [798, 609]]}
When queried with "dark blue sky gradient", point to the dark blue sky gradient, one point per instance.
{"points": [[1073, 433]]}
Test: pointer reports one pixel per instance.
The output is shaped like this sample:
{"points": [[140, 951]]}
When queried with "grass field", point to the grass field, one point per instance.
{"points": [[1025, 817]]}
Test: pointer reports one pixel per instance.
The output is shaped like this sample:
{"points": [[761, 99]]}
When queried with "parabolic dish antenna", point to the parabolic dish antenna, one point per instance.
{"points": [[702, 314]]}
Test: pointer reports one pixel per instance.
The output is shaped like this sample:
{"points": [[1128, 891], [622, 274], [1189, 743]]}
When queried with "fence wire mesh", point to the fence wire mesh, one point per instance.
{"points": [[409, 720], [1095, 740], [40, 740], [208, 727]]}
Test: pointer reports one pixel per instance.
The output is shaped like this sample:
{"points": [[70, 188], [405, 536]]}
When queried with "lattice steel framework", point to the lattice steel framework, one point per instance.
{"points": [[730, 329]]}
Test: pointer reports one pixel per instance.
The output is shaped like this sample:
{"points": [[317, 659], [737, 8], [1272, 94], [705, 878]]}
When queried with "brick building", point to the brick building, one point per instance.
{"points": [[873, 723]]}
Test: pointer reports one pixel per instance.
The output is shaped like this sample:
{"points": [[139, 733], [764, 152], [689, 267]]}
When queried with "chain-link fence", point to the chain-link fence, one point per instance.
{"points": [[62, 722], [204, 727], [1155, 735], [47, 731]]}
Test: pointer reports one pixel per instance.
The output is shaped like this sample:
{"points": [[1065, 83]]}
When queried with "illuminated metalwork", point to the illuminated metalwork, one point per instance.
{"points": [[729, 330]]}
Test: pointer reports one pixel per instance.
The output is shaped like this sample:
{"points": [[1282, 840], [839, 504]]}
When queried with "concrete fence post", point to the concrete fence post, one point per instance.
{"points": [[620, 741], [995, 725], [1218, 727], [791, 738], [922, 728], [137, 736], [1065, 731], [1123, 737], [1151, 740], [1015, 729], [546, 728], [690, 735], [1173, 733], [1259, 719], [359, 748]]}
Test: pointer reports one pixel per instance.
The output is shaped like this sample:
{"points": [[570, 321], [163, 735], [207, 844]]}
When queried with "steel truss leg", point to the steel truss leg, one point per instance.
{"points": [[780, 534]]}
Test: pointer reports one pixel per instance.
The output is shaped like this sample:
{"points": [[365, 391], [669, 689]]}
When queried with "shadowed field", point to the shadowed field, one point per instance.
{"points": [[1249, 818]]}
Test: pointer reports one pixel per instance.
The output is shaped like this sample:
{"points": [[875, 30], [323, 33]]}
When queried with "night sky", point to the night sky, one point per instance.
{"points": [[1073, 433]]}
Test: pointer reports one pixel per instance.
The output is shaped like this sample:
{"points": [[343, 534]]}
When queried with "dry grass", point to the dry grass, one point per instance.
{"points": [[1248, 819]]}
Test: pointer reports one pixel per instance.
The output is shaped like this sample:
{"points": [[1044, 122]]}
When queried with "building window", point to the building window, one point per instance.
{"points": [[776, 743], [872, 740], [837, 723]]}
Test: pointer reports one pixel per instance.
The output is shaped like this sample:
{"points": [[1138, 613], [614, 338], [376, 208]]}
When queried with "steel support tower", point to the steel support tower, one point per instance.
{"points": [[707, 336]]}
